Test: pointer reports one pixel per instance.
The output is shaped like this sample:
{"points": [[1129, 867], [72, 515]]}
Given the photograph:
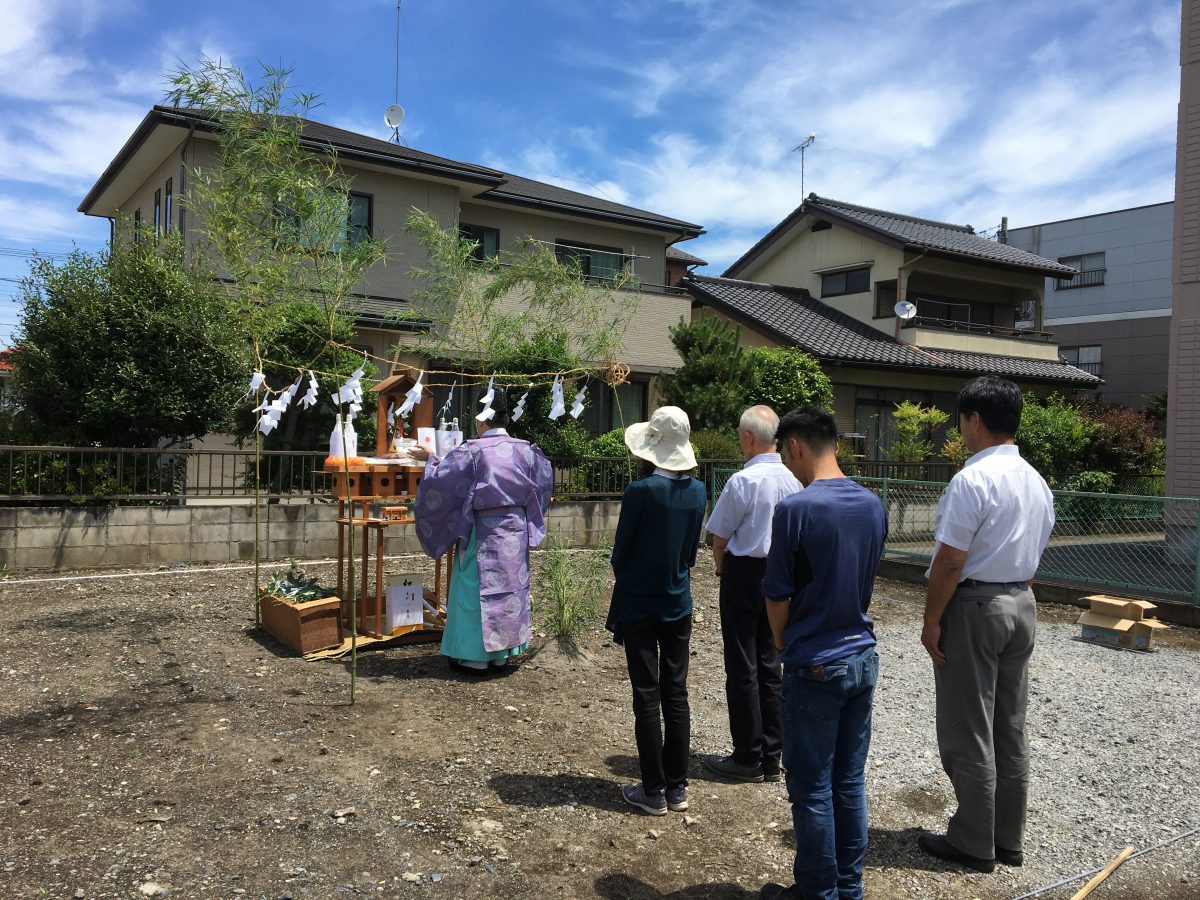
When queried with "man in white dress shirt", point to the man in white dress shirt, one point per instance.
{"points": [[993, 522], [741, 528]]}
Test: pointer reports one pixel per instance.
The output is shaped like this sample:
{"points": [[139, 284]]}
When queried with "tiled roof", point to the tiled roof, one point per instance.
{"points": [[525, 191], [830, 335], [497, 186], [674, 253], [910, 232]]}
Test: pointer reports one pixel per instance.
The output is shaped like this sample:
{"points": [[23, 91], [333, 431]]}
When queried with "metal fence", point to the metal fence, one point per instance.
{"points": [[49, 475], [1121, 542], [89, 475]]}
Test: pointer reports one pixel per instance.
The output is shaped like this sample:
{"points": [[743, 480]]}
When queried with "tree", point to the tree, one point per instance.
{"points": [[713, 384], [130, 347], [787, 377], [915, 425], [1053, 435], [1124, 442]]}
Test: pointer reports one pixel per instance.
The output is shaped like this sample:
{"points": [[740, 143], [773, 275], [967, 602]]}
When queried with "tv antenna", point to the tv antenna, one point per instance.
{"points": [[802, 146], [393, 116]]}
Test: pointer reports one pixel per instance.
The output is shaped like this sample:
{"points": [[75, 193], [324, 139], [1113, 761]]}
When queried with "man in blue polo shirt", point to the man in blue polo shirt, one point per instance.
{"points": [[825, 546]]}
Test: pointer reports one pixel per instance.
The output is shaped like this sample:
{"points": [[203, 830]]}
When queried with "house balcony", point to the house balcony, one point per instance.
{"points": [[972, 337]]}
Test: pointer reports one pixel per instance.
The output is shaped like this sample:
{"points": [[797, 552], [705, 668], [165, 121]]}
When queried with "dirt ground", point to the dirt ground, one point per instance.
{"points": [[154, 742]]}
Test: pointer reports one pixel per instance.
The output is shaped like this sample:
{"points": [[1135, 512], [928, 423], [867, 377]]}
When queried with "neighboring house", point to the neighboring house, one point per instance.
{"points": [[827, 280], [681, 264], [6, 370], [1113, 319], [497, 209]]}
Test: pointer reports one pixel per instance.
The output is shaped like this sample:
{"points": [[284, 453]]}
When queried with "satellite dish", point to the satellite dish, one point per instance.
{"points": [[394, 116], [905, 310]]}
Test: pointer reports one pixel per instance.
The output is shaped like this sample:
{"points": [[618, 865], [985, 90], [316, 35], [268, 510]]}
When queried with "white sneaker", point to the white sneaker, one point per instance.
{"points": [[478, 664]]}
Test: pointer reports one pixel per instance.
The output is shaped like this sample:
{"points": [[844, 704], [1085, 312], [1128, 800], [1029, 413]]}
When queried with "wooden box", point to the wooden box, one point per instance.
{"points": [[305, 627], [360, 482]]}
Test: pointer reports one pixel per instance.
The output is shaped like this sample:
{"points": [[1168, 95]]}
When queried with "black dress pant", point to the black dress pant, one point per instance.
{"points": [[753, 677], [657, 654]]}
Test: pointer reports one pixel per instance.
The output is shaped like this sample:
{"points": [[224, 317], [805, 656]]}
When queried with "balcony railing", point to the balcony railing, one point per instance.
{"points": [[1020, 334], [1088, 278]]}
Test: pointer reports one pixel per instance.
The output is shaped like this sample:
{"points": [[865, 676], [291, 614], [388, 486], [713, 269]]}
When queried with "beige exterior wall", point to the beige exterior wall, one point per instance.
{"points": [[1183, 418], [143, 197], [934, 338], [808, 253], [747, 337]]}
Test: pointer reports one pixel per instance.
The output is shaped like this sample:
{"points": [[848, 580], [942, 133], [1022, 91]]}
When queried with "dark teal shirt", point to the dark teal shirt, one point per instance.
{"points": [[657, 538]]}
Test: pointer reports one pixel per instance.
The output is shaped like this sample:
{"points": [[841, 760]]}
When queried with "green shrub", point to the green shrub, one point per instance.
{"points": [[611, 443], [710, 444], [787, 377], [1054, 436]]}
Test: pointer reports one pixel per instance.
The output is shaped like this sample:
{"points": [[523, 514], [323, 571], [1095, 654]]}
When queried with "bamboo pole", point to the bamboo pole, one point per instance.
{"points": [[1104, 873]]}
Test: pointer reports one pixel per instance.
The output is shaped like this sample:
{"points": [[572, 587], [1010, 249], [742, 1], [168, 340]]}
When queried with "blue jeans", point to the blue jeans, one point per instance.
{"points": [[826, 735]]}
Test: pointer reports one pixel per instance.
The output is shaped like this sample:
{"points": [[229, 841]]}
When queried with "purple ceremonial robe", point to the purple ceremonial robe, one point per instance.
{"points": [[500, 486]]}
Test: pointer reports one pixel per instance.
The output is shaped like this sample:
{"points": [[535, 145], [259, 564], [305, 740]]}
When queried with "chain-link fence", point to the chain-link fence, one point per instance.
{"points": [[1121, 542], [1129, 543]]}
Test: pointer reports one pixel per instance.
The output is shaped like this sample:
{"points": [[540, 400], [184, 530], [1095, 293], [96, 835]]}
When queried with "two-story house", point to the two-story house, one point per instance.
{"points": [[150, 174], [1112, 318], [829, 277]]}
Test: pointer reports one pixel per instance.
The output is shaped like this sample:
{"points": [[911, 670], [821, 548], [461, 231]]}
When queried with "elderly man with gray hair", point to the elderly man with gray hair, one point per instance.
{"points": [[741, 528]]}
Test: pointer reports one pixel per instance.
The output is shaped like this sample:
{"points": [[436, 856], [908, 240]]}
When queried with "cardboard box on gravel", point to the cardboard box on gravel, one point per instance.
{"points": [[1119, 622]]}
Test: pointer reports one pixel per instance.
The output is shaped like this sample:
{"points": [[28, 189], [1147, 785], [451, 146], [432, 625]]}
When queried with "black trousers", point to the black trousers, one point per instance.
{"points": [[753, 677], [657, 654]]}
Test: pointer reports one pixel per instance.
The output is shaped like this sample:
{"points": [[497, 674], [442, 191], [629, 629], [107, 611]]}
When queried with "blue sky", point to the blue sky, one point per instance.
{"points": [[959, 110]]}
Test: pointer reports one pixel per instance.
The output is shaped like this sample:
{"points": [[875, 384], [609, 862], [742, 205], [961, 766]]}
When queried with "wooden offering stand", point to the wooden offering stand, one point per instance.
{"points": [[361, 488]]}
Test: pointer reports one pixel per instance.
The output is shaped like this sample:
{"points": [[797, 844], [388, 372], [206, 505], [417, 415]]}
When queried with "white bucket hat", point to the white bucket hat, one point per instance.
{"points": [[663, 440]]}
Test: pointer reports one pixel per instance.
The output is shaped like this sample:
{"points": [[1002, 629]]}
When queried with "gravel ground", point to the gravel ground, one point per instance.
{"points": [[151, 741]]}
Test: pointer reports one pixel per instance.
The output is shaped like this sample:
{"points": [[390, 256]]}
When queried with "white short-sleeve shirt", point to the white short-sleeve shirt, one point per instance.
{"points": [[1000, 510], [743, 512]]}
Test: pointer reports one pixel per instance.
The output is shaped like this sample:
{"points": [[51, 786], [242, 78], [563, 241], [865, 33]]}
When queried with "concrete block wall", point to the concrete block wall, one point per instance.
{"points": [[41, 539]]}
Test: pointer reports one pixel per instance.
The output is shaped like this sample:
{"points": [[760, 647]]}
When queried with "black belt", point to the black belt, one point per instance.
{"points": [[746, 560], [972, 583]]}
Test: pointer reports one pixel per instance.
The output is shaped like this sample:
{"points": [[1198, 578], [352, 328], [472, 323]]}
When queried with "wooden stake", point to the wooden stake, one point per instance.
{"points": [[1103, 873]]}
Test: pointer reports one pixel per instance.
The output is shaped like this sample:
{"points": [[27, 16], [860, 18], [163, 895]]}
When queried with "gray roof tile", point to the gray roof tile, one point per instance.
{"points": [[831, 335], [910, 232]]}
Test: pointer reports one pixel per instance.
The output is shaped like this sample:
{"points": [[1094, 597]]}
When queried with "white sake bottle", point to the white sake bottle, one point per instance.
{"points": [[336, 450], [351, 438]]}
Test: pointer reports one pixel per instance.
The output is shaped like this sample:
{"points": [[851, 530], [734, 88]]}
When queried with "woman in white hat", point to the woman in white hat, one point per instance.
{"points": [[651, 612]]}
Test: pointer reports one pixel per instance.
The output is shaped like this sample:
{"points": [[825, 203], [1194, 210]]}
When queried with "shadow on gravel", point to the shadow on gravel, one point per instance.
{"points": [[87, 621], [624, 766], [898, 849], [620, 886], [517, 789]]}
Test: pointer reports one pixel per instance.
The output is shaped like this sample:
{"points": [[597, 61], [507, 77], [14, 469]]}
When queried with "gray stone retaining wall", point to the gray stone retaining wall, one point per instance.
{"points": [[38, 538]]}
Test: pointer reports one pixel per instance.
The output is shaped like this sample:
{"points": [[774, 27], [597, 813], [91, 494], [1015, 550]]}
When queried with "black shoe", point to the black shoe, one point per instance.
{"points": [[936, 845], [1014, 858], [728, 767], [772, 770], [774, 891]]}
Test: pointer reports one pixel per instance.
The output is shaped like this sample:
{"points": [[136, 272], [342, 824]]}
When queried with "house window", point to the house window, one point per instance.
{"points": [[359, 216], [885, 299], [852, 281], [157, 211], [1091, 271], [486, 240], [593, 261], [1086, 358], [167, 208]]}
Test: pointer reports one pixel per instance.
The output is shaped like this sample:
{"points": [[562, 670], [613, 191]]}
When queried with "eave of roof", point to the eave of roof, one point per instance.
{"points": [[836, 338], [869, 223], [501, 187]]}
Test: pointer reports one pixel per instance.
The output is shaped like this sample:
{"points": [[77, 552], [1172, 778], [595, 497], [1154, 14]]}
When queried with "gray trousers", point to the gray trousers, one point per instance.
{"points": [[982, 693]]}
